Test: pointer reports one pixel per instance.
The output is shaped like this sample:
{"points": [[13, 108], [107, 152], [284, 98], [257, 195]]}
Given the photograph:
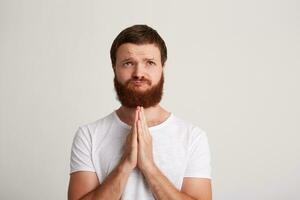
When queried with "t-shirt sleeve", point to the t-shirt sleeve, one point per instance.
{"points": [[198, 156], [81, 152]]}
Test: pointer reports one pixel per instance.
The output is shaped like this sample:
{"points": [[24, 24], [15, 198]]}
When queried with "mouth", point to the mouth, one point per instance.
{"points": [[138, 83]]}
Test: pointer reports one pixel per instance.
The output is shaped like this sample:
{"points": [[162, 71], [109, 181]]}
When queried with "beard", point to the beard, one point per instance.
{"points": [[131, 97]]}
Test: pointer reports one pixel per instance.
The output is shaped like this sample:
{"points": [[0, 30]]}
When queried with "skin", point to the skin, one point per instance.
{"points": [[140, 61]]}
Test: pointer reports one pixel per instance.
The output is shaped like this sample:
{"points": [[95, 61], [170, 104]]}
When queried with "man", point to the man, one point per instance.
{"points": [[140, 151]]}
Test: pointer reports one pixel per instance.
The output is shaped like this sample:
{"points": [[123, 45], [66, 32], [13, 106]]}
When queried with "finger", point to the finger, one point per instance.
{"points": [[145, 126], [139, 114], [134, 133], [144, 118], [134, 128], [142, 132], [139, 127], [136, 114], [139, 130], [141, 117], [135, 119]]}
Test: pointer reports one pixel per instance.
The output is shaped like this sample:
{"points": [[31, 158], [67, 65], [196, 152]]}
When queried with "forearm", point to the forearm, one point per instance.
{"points": [[162, 188], [112, 187]]}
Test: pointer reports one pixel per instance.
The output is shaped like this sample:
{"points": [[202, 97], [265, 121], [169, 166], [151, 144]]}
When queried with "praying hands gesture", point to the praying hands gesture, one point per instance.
{"points": [[138, 146], [138, 153]]}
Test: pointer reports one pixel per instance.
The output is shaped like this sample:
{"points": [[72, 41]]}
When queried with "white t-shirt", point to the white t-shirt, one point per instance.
{"points": [[180, 149]]}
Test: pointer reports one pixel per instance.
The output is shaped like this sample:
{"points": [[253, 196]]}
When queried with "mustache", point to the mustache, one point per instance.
{"points": [[137, 79]]}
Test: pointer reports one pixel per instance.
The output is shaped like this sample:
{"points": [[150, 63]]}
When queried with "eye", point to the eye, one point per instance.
{"points": [[151, 62], [127, 64]]}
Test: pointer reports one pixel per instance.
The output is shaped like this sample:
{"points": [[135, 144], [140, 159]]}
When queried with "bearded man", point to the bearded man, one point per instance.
{"points": [[140, 151]]}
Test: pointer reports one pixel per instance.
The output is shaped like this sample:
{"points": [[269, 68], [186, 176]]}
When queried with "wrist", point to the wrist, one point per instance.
{"points": [[150, 171], [125, 167]]}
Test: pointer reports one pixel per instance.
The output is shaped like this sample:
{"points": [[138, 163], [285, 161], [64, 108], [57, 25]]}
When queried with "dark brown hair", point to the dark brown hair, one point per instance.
{"points": [[138, 34]]}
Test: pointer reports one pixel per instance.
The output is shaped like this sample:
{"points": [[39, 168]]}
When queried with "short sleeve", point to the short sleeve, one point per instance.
{"points": [[198, 156], [81, 152]]}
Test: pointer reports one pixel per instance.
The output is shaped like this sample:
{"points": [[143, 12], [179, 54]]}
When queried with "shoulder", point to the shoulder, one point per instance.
{"points": [[191, 128], [90, 129]]}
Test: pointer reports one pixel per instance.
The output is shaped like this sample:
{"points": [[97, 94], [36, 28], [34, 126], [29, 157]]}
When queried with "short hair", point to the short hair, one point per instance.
{"points": [[138, 34]]}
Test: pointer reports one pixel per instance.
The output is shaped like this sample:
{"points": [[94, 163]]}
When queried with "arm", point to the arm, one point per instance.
{"points": [[85, 186], [192, 188], [200, 188], [161, 187]]}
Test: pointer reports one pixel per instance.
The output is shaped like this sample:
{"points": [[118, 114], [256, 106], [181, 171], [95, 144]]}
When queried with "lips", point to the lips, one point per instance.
{"points": [[138, 83]]}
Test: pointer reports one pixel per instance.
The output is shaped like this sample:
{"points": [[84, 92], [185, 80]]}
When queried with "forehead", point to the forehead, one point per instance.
{"points": [[128, 50]]}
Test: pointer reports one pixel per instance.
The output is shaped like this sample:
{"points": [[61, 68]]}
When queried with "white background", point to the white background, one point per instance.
{"points": [[233, 69]]}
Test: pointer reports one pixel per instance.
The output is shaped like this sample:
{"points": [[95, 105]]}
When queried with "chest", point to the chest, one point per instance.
{"points": [[169, 154]]}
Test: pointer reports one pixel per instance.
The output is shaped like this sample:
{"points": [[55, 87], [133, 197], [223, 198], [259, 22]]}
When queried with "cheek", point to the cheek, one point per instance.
{"points": [[156, 77], [122, 77]]}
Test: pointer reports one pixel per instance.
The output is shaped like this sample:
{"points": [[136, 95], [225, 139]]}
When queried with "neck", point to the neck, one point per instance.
{"points": [[154, 115]]}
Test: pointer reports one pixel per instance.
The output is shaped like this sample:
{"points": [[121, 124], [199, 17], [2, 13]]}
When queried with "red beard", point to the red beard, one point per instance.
{"points": [[131, 98]]}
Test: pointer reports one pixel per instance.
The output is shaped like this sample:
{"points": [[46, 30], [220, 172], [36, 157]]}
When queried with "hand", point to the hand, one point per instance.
{"points": [[145, 160], [129, 158]]}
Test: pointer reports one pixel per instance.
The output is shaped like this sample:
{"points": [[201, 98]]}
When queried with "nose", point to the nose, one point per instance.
{"points": [[138, 72]]}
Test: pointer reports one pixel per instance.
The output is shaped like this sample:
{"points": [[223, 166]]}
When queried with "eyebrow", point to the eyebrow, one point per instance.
{"points": [[130, 58], [149, 59], [126, 59]]}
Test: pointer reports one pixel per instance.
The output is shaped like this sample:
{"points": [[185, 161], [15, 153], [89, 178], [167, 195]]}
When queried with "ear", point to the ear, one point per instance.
{"points": [[164, 64]]}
